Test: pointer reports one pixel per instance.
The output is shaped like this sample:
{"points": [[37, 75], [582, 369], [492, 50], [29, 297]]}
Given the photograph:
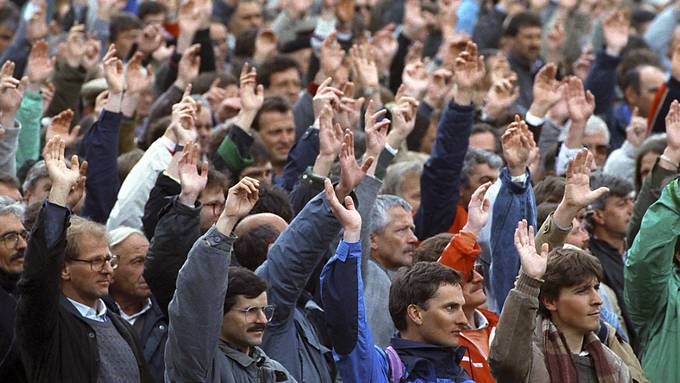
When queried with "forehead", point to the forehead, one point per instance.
{"points": [[597, 138], [285, 75], [588, 281], [10, 222], [484, 170], [91, 246], [134, 242], [213, 192], [242, 301], [248, 8], [448, 293], [529, 31], [399, 216], [275, 120], [9, 191]]}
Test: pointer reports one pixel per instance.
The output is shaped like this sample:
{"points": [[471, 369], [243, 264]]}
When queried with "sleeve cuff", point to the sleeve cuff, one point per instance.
{"points": [[533, 120], [218, 240]]}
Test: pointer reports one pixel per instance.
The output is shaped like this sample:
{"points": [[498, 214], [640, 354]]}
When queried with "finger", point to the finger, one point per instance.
{"points": [[330, 192], [83, 168], [187, 92], [367, 164], [204, 169], [326, 83], [545, 249]]}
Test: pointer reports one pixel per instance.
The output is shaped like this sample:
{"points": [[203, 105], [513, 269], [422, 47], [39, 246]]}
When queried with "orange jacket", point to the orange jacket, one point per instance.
{"points": [[460, 255]]}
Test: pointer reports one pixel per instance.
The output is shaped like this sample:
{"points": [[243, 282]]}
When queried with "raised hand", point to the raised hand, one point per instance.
{"points": [[386, 45], [150, 39], [478, 210], [265, 45], [241, 198], [36, 27], [414, 22], [636, 132], [347, 215], [404, 119], [500, 97], [584, 63], [188, 66], [438, 87], [182, 124], [375, 127], [533, 264], [326, 95], [194, 15], [518, 143], [193, 182], [330, 135], [63, 178], [251, 94], [75, 46], [364, 66], [469, 71], [90, 57], [351, 174], [60, 126], [547, 91], [11, 94], [137, 78], [348, 110], [113, 71], [672, 151], [415, 78], [331, 56], [78, 190], [581, 104], [616, 29], [40, 66]]}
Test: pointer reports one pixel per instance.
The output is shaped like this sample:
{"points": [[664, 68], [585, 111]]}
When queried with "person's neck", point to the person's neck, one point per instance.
{"points": [[470, 315], [244, 349], [380, 261], [129, 305], [72, 294], [617, 241], [573, 338]]}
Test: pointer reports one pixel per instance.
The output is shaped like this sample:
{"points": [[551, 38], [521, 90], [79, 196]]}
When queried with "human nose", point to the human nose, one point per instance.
{"points": [[596, 299]]}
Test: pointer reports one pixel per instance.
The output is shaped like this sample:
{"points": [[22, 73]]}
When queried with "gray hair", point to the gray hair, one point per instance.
{"points": [[38, 170], [596, 125], [475, 157], [396, 175], [380, 215], [9, 206], [618, 186]]}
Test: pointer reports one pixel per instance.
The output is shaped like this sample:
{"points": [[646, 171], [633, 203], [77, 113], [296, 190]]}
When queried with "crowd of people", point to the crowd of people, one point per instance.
{"points": [[339, 191]]}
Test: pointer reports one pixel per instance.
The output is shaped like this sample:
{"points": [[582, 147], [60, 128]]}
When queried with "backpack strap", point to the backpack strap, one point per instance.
{"points": [[395, 363]]}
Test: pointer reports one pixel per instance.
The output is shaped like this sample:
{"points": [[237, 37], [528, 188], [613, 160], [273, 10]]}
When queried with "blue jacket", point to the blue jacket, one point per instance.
{"points": [[513, 203], [440, 181], [100, 148], [601, 82], [356, 356]]}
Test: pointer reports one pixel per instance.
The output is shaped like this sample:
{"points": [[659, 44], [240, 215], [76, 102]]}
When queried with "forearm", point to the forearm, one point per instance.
{"points": [[601, 81]]}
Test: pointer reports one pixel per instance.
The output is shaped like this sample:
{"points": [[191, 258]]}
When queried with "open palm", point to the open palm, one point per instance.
{"points": [[577, 192]]}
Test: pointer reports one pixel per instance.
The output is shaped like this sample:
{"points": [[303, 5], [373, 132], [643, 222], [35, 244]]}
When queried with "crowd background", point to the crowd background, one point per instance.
{"points": [[339, 190]]}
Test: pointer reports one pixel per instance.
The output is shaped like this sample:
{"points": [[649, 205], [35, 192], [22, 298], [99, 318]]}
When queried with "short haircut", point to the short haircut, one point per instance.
{"points": [[252, 247], [127, 161], [9, 16], [549, 190], [271, 104], [9, 206], [653, 144], [155, 130], [273, 200], [78, 228], [475, 157], [38, 171], [217, 179], [619, 187], [202, 82], [244, 46], [396, 175], [483, 127], [416, 285], [596, 125], [151, 7], [543, 210], [275, 64], [10, 181], [380, 214], [242, 282], [567, 267], [628, 70], [123, 22], [432, 248], [521, 20]]}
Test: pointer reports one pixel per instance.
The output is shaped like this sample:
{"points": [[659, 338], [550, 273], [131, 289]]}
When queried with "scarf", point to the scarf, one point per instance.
{"points": [[561, 367], [429, 362]]}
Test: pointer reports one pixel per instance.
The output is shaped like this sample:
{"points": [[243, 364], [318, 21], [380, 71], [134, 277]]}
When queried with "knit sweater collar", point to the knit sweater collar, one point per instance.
{"points": [[428, 361]]}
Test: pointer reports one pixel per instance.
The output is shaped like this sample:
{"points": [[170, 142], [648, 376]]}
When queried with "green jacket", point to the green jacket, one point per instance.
{"points": [[652, 287]]}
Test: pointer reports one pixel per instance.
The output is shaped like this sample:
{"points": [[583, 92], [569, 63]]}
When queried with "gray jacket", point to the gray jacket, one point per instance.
{"points": [[8, 150], [193, 352], [290, 263]]}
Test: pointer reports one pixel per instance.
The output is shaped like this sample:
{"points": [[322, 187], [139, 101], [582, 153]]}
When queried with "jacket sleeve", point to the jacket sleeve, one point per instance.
{"points": [[294, 256], [510, 355], [303, 113], [196, 310], [513, 203], [175, 233], [18, 52], [100, 148], [67, 83], [461, 252], [28, 115], [301, 156], [39, 286], [234, 151], [551, 234], [651, 189], [342, 292], [649, 264], [129, 207], [420, 127], [8, 150], [159, 197], [660, 31], [399, 62], [601, 81], [440, 180]]}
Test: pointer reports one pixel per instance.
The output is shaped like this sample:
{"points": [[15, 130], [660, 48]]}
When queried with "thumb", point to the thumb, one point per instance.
{"points": [[367, 164], [595, 194]]}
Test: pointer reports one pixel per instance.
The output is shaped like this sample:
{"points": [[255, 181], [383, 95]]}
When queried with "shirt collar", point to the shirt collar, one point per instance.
{"points": [[88, 312], [131, 318]]}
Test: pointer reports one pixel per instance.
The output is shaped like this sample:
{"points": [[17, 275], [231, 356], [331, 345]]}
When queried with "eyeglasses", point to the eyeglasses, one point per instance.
{"points": [[11, 239], [98, 263], [251, 312]]}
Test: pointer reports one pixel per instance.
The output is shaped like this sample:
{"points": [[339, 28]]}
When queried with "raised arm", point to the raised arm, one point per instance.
{"points": [[39, 287], [196, 310], [342, 292], [11, 94], [440, 181], [510, 355]]}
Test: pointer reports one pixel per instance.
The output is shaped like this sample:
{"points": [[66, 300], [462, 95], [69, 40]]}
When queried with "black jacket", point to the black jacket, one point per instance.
{"points": [[56, 342], [11, 369], [154, 334]]}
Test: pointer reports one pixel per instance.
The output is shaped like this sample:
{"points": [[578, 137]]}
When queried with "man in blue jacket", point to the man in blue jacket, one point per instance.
{"points": [[425, 303]]}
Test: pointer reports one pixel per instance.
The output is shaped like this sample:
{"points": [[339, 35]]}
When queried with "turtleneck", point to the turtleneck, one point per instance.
{"points": [[8, 282], [428, 361]]}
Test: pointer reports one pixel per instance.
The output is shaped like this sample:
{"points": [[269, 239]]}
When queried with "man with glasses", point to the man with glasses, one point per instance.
{"points": [[218, 314], [64, 331], [13, 238]]}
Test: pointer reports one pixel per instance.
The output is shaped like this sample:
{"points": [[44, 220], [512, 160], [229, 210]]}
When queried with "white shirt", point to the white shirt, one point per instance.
{"points": [[88, 312], [131, 319]]}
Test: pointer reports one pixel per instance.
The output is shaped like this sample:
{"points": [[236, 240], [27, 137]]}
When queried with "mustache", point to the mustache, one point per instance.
{"points": [[257, 328], [18, 255]]}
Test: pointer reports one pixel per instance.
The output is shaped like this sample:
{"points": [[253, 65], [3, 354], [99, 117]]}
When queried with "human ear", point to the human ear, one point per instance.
{"points": [[414, 314]]}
